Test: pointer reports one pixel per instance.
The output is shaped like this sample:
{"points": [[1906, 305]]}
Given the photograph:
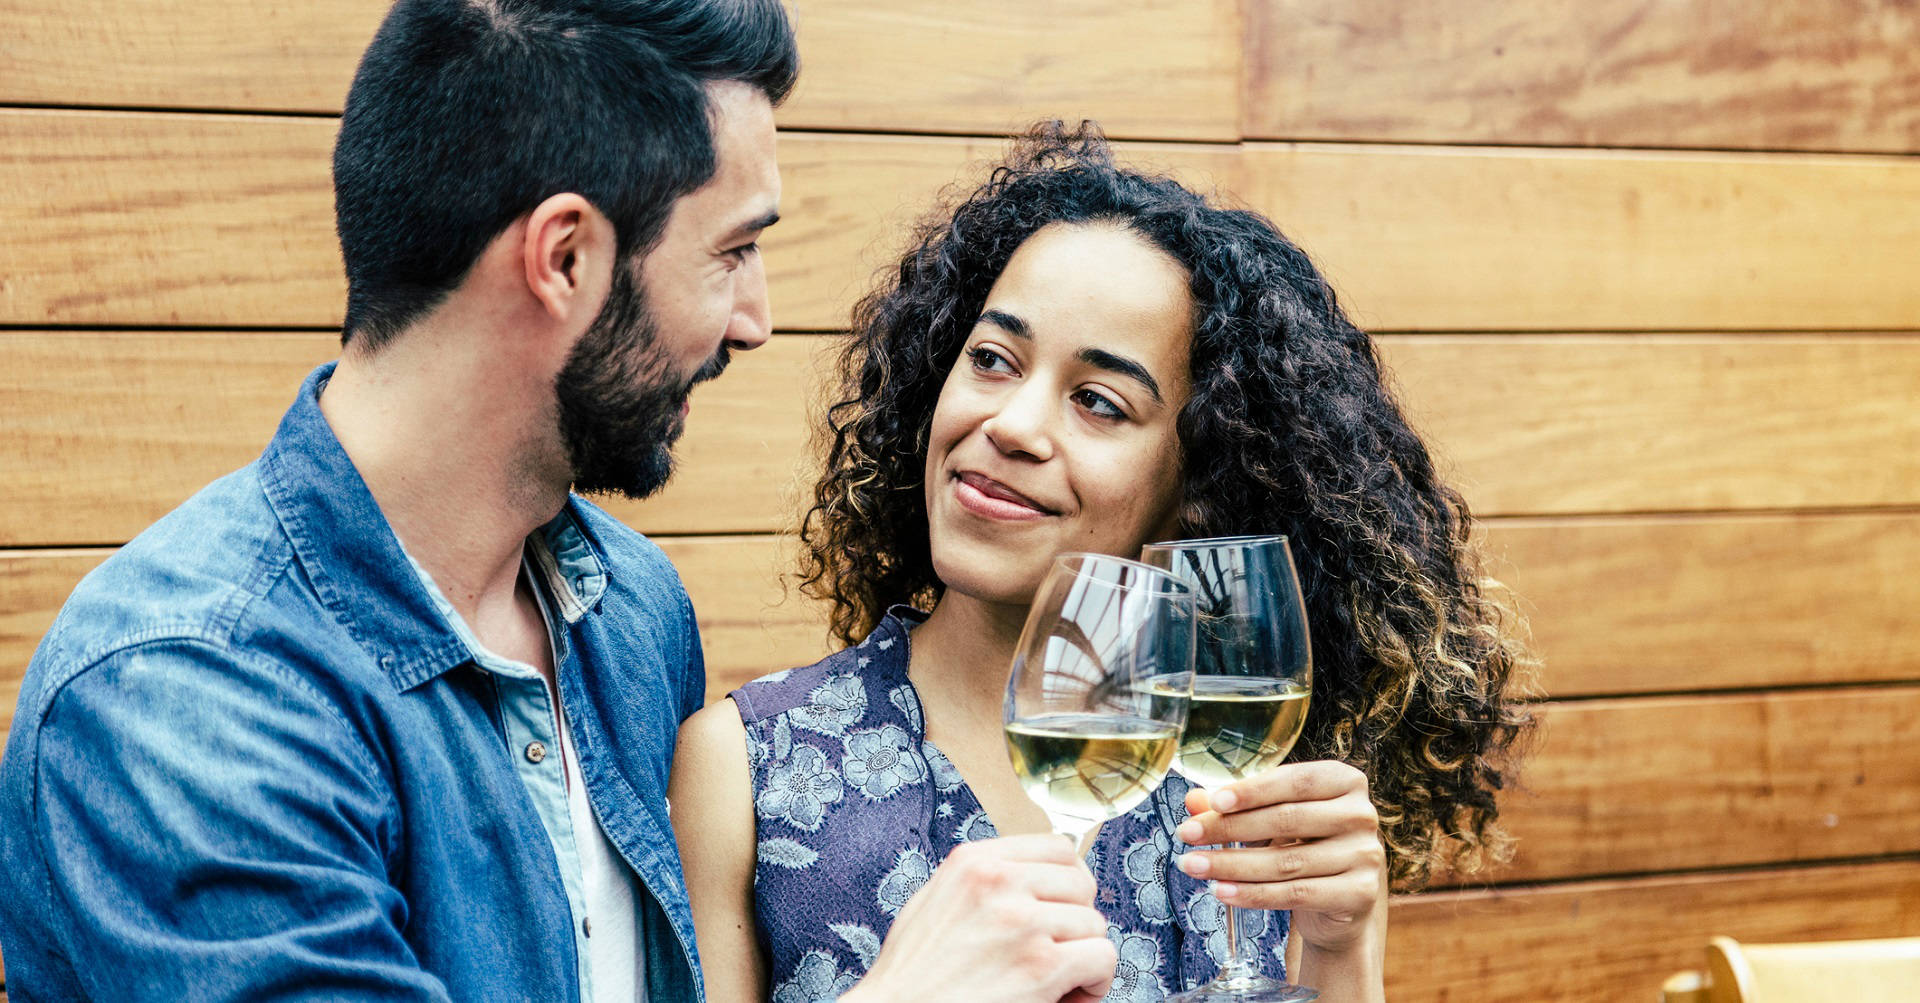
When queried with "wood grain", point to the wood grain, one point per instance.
{"points": [[1813, 75], [203, 54], [1612, 423], [1156, 69], [1674, 783], [112, 430], [1614, 941], [1159, 69], [131, 219], [1457, 238], [1638, 604], [172, 219], [109, 431]]}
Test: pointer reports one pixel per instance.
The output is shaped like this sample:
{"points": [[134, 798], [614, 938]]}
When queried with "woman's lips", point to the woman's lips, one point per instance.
{"points": [[987, 497]]}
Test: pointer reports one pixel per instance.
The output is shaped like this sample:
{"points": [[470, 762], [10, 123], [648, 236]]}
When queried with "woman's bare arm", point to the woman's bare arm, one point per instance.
{"points": [[712, 798]]}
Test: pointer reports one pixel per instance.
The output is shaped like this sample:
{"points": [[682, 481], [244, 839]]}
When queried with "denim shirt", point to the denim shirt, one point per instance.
{"points": [[252, 759]]}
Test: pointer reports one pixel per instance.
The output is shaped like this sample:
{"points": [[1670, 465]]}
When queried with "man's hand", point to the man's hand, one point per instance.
{"points": [[1314, 847], [1008, 919]]}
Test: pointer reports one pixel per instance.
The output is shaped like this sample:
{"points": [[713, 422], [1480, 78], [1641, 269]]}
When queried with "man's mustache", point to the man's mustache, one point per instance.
{"points": [[712, 368]]}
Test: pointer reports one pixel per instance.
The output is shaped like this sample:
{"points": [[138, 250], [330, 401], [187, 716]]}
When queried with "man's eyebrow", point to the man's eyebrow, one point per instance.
{"points": [[760, 222], [1124, 366]]}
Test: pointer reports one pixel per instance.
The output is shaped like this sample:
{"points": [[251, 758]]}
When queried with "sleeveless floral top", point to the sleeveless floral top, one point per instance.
{"points": [[854, 808]]}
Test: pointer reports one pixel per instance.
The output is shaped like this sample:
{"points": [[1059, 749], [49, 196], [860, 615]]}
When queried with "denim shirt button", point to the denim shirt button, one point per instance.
{"points": [[586, 925], [536, 752]]}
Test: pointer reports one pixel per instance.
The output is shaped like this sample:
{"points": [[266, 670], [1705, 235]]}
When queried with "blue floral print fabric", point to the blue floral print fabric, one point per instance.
{"points": [[855, 808]]}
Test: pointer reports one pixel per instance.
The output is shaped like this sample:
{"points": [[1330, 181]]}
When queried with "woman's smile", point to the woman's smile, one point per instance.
{"points": [[983, 496]]}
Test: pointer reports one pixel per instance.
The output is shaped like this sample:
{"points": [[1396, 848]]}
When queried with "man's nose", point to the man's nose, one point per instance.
{"points": [[752, 320]]}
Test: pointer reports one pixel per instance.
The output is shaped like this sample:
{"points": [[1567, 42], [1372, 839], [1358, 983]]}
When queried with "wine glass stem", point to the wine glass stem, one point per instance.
{"points": [[1236, 966]]}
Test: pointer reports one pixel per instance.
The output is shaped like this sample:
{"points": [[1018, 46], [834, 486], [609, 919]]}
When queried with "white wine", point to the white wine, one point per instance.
{"points": [[1084, 769], [1239, 726]]}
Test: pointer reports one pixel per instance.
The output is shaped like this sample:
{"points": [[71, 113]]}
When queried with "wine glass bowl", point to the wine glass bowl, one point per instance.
{"points": [[1097, 698]]}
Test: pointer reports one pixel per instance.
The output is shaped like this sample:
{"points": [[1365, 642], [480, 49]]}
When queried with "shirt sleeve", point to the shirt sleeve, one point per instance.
{"points": [[213, 829]]}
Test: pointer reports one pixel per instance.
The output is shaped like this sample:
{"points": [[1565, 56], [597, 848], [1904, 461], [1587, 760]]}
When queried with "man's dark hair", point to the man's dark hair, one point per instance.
{"points": [[466, 114]]}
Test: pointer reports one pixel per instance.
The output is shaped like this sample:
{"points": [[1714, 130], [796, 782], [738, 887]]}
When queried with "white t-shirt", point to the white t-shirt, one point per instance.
{"points": [[610, 888]]}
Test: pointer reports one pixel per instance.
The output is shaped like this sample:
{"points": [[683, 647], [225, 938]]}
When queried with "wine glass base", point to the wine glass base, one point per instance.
{"points": [[1257, 989]]}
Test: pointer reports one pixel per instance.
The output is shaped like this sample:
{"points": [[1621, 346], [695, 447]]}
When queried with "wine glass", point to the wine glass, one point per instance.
{"points": [[1098, 693], [1253, 673]]}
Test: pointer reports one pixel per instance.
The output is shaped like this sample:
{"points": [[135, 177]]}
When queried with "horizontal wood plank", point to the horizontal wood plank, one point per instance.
{"points": [[1614, 941], [172, 219], [1470, 239], [1644, 423], [1813, 75], [109, 431], [204, 54], [1623, 786], [1156, 69], [115, 429], [1648, 604], [226, 221]]}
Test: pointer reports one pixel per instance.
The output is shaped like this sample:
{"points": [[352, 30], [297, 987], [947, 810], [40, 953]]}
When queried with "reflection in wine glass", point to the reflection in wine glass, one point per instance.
{"points": [[1253, 673], [1098, 691]]}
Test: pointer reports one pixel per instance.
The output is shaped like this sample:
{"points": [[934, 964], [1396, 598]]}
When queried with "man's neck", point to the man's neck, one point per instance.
{"points": [[463, 463]]}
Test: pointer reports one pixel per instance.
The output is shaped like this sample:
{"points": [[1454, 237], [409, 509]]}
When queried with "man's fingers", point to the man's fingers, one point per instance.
{"points": [[987, 868], [1062, 922], [1034, 847], [1087, 965]]}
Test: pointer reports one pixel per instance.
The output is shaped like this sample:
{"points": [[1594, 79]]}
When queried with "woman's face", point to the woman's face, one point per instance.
{"points": [[1055, 429]]}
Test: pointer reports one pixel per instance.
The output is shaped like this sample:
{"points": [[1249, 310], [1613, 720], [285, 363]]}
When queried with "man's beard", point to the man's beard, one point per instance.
{"points": [[619, 399]]}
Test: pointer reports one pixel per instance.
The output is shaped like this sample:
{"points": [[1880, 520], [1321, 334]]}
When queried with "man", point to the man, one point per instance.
{"points": [[389, 712]]}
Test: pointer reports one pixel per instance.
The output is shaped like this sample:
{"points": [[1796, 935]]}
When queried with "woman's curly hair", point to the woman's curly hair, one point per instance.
{"points": [[1290, 429]]}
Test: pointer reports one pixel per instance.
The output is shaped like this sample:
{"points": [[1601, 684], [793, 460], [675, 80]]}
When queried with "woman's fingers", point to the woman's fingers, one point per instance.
{"points": [[1321, 858], [1340, 896], [1282, 823]]}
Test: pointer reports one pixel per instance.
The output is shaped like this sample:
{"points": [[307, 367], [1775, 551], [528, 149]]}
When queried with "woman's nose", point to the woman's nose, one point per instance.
{"points": [[1023, 424]]}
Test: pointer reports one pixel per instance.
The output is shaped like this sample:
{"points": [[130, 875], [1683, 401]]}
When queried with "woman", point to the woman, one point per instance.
{"points": [[1082, 357]]}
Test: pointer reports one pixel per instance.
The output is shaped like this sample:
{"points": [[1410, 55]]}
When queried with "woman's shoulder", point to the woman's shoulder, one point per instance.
{"points": [[833, 688]]}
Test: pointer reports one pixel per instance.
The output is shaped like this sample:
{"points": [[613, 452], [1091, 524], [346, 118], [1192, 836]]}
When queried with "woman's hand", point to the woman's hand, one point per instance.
{"points": [[1314, 848]]}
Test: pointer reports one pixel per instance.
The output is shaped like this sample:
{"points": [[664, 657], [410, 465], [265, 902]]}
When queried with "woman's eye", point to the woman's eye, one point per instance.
{"points": [[740, 253], [988, 360], [1100, 406]]}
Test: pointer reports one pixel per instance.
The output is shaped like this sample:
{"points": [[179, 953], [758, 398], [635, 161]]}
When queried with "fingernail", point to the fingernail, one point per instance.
{"points": [[1224, 801], [1192, 864], [1189, 831], [1223, 890]]}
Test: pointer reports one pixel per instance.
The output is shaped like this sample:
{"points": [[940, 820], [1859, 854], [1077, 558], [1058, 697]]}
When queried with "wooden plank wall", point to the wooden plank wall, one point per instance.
{"points": [[1646, 271]]}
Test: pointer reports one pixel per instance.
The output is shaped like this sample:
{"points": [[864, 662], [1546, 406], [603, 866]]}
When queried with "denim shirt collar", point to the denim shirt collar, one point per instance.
{"points": [[357, 566]]}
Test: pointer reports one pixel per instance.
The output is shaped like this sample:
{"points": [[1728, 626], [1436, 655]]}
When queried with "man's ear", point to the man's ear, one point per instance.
{"points": [[567, 253]]}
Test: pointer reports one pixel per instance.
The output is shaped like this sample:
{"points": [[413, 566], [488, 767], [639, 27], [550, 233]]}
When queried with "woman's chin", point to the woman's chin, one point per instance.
{"points": [[990, 575]]}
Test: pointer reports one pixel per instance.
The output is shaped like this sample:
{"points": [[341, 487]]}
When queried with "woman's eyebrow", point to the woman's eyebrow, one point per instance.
{"points": [[1124, 366], [1097, 357], [1006, 322]]}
